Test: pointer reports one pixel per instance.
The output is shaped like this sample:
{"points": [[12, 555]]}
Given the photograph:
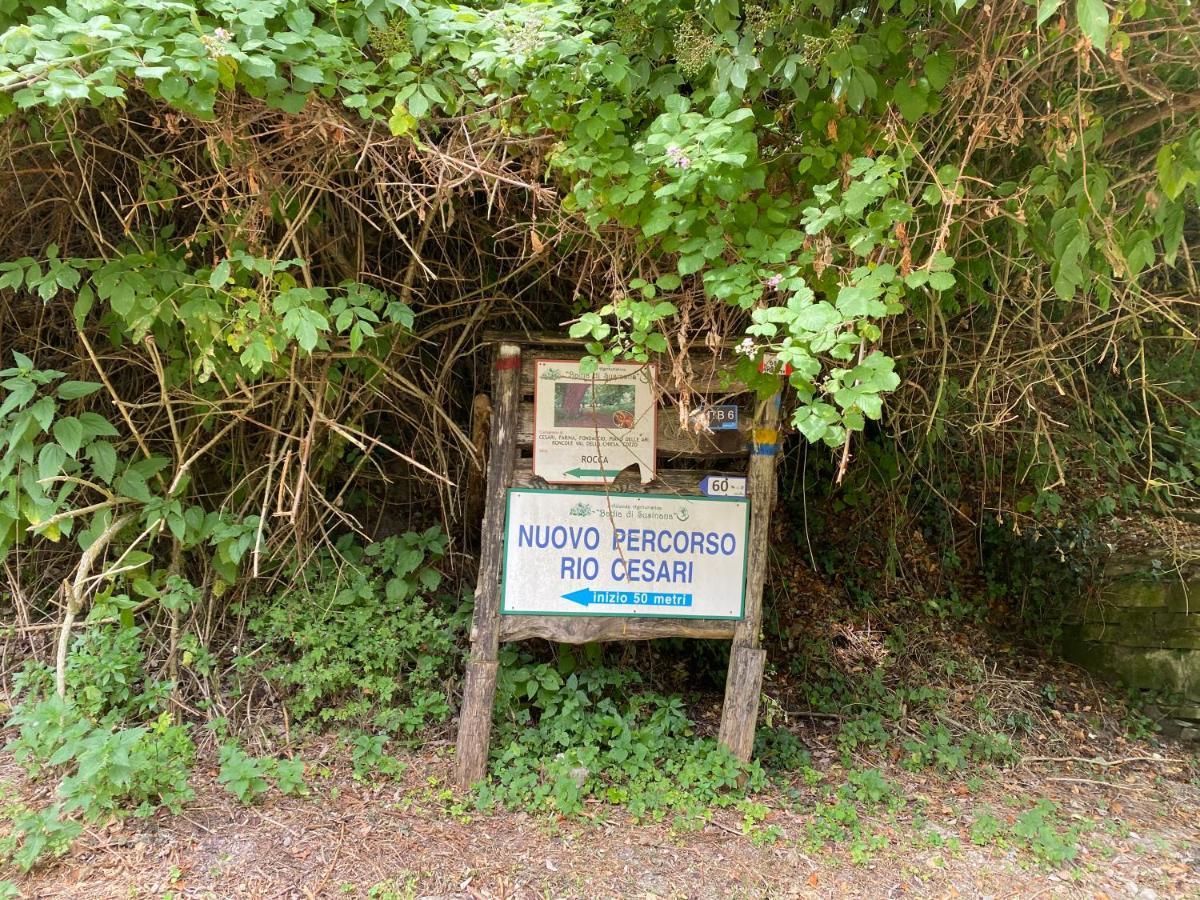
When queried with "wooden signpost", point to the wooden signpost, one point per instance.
{"points": [[600, 525]]}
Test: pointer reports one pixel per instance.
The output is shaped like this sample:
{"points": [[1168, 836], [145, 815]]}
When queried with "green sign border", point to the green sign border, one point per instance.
{"points": [[743, 501]]}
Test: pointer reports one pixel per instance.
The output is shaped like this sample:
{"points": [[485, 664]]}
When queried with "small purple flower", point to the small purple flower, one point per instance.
{"points": [[774, 281], [678, 157]]}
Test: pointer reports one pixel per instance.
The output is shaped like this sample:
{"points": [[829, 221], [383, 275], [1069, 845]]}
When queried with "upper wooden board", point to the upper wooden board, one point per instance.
{"points": [[704, 373]]}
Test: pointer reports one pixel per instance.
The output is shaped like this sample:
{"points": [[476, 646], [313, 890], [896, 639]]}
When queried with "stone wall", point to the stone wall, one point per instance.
{"points": [[1141, 628]]}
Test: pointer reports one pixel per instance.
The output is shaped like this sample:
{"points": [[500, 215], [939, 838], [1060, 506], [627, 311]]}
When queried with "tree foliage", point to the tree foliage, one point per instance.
{"points": [[807, 163]]}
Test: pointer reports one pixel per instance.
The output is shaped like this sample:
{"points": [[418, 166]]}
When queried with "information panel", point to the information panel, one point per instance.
{"points": [[582, 553], [587, 428]]}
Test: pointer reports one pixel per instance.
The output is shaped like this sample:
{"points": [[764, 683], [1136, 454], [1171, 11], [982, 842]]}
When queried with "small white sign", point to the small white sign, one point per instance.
{"points": [[588, 428], [582, 553], [723, 485]]}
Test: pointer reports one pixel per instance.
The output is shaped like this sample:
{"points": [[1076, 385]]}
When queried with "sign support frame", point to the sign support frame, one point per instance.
{"points": [[743, 683]]}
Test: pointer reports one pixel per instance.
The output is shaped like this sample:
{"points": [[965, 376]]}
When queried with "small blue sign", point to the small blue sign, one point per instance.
{"points": [[723, 485], [589, 597], [722, 416]]}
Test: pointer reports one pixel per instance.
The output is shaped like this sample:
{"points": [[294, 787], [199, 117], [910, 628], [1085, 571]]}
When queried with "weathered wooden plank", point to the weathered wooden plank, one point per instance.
{"points": [[672, 440], [532, 340], [710, 374], [743, 686], [475, 721], [475, 717], [740, 713], [476, 493], [678, 482], [760, 485], [587, 630]]}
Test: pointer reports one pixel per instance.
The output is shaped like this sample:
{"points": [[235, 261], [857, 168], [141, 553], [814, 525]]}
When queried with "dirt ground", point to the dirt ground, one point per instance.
{"points": [[1138, 814]]}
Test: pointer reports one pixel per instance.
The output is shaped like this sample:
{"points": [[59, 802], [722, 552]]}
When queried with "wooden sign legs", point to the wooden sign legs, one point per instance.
{"points": [[744, 681], [479, 692]]}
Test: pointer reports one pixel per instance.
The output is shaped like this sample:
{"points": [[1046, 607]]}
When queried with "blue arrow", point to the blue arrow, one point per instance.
{"points": [[589, 597]]}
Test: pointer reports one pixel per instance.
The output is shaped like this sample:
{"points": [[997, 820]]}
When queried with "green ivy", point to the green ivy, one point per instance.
{"points": [[362, 637], [567, 732], [740, 144]]}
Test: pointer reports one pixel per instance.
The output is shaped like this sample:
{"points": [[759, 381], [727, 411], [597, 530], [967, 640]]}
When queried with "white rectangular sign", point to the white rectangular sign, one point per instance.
{"points": [[587, 428], [723, 485], [583, 553]]}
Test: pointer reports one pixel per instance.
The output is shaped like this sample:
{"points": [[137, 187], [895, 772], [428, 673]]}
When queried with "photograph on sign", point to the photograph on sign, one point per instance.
{"points": [[579, 553], [588, 428]]}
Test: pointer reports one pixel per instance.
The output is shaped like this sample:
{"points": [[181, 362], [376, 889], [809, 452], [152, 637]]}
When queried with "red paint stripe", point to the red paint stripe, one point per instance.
{"points": [[508, 362]]}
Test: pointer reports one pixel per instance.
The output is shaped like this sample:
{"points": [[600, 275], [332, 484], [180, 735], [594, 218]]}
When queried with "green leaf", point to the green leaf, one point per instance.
{"points": [[1139, 252], [20, 392], [938, 69], [133, 485], [220, 275], [68, 431], [656, 342], [909, 100], [173, 87], [816, 317], [1093, 21], [856, 300], [43, 412], [73, 390], [95, 425], [941, 281], [50, 461], [104, 460], [658, 221], [1046, 9], [402, 121], [308, 73]]}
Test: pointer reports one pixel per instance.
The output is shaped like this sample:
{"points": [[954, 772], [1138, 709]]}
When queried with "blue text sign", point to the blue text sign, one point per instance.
{"points": [[584, 553]]}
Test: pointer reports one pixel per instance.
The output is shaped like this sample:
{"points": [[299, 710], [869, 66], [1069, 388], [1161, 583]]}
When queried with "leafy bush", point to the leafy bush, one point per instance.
{"points": [[106, 675], [1037, 830], [567, 733], [108, 749], [103, 771], [356, 638], [370, 757], [870, 786], [37, 834], [248, 777], [777, 748], [1041, 833]]}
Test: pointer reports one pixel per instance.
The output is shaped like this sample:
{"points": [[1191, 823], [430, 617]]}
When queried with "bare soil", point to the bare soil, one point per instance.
{"points": [[1138, 806]]}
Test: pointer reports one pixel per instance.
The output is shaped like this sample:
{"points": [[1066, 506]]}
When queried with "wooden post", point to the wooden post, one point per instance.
{"points": [[479, 692], [743, 684]]}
